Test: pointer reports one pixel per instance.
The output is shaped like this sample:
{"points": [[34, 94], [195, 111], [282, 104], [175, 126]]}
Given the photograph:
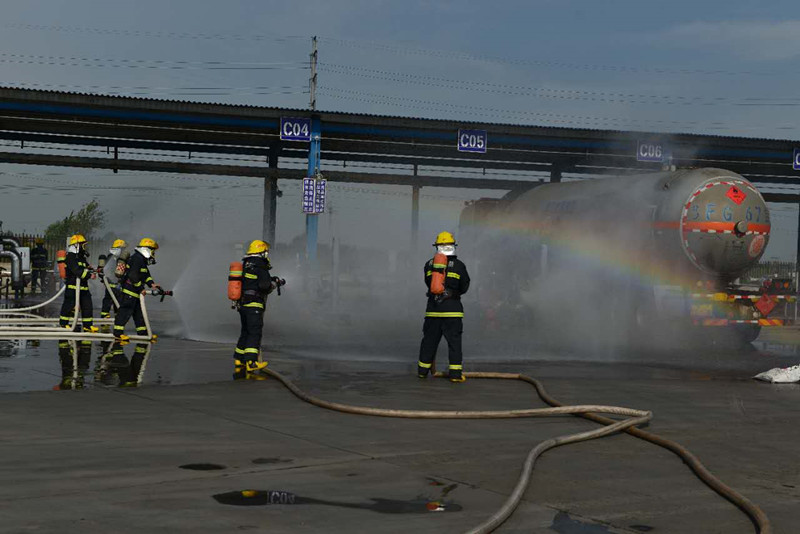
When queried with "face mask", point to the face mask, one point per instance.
{"points": [[73, 248], [447, 250], [148, 254], [115, 251]]}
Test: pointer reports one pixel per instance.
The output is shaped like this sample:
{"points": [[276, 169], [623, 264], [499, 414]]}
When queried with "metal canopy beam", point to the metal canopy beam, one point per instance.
{"points": [[262, 172], [192, 127]]}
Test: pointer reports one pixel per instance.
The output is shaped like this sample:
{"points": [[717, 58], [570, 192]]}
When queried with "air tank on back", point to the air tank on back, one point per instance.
{"points": [[708, 223]]}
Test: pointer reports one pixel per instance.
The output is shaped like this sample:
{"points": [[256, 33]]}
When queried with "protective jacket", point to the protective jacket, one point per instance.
{"points": [[456, 284], [136, 276], [39, 258], [256, 282], [77, 267]]}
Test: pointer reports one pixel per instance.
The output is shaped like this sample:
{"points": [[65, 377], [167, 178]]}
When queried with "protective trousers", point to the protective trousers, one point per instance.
{"points": [[249, 344], [129, 306], [37, 279], [432, 331], [68, 307], [105, 311]]}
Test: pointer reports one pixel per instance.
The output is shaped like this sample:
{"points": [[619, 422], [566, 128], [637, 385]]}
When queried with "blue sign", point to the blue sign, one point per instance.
{"points": [[319, 198], [649, 151], [308, 195], [314, 191], [796, 159], [472, 141], [295, 129]]}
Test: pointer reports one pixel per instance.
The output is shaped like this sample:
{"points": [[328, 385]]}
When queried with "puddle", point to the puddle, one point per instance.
{"points": [[641, 528], [268, 461], [377, 504], [564, 524], [202, 467]]}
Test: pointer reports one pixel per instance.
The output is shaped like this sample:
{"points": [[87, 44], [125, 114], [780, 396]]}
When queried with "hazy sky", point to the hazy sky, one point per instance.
{"points": [[727, 68]]}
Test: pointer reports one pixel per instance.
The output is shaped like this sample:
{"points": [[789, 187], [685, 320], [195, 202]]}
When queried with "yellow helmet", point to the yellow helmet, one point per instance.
{"points": [[257, 247], [445, 238], [39, 241], [77, 239], [149, 243], [119, 243]]}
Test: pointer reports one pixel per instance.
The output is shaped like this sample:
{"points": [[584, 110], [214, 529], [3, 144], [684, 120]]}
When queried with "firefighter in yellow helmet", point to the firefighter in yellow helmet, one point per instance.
{"points": [[257, 283], [132, 284], [78, 274], [115, 265], [444, 313]]}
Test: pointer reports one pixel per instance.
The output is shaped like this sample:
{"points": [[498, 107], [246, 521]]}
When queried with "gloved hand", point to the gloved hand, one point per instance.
{"points": [[441, 297]]}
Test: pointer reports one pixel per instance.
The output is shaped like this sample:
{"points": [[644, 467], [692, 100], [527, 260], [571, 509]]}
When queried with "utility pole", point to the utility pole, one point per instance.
{"points": [[312, 219], [312, 81]]}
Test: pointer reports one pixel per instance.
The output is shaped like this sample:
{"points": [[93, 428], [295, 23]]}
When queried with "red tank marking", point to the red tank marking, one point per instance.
{"points": [[736, 195]]}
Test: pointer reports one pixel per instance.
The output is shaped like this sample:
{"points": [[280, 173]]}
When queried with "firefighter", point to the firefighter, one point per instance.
{"points": [[116, 255], [256, 285], [78, 271], [132, 284], [444, 313], [40, 266]]}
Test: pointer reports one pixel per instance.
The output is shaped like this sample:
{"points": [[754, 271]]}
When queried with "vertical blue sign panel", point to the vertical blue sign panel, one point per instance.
{"points": [[295, 129], [472, 141], [650, 151], [308, 195], [314, 192], [796, 159], [319, 198]]}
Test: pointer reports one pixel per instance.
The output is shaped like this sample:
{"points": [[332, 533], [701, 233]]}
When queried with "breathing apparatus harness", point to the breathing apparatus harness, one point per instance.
{"points": [[439, 272], [235, 276]]}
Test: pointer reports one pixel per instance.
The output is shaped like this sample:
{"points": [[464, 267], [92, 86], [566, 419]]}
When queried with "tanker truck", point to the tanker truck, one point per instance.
{"points": [[626, 257]]}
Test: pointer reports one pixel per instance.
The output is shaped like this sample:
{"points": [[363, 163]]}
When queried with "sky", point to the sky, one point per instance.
{"points": [[728, 68]]}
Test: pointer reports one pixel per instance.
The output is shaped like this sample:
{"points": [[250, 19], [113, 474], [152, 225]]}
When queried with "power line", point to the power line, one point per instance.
{"points": [[65, 61], [157, 34], [373, 46], [349, 94], [166, 91], [553, 118], [545, 92], [465, 56]]}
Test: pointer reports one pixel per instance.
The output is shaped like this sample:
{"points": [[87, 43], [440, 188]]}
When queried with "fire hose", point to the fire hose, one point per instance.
{"points": [[35, 306], [635, 417], [61, 333]]}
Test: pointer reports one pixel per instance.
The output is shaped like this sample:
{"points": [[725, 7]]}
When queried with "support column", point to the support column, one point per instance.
{"points": [[797, 254], [555, 173], [797, 266], [312, 221], [269, 221], [415, 216]]}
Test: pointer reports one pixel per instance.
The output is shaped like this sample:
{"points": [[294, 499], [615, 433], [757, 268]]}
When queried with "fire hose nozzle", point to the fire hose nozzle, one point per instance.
{"points": [[157, 291], [279, 282]]}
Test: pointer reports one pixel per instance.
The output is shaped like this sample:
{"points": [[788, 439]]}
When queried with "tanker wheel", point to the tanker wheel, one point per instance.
{"points": [[747, 333]]}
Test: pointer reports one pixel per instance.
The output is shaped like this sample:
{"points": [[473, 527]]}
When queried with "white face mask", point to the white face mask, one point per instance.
{"points": [[115, 251], [73, 248], [146, 252], [447, 250]]}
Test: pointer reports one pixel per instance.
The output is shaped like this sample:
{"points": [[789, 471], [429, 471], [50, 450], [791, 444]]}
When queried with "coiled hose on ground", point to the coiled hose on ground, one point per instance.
{"points": [[35, 306], [635, 417]]}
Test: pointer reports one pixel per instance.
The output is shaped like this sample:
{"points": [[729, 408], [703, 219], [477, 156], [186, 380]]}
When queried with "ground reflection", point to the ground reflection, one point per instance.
{"points": [[112, 365]]}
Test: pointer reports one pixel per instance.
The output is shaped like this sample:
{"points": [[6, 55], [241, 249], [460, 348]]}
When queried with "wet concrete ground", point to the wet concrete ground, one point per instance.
{"points": [[113, 459]]}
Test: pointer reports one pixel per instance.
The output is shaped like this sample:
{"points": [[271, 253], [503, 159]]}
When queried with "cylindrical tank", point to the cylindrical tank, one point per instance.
{"points": [[701, 222], [235, 280]]}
